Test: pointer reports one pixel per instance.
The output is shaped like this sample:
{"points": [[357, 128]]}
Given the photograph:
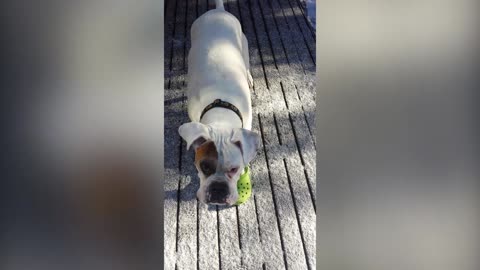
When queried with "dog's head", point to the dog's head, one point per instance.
{"points": [[220, 156]]}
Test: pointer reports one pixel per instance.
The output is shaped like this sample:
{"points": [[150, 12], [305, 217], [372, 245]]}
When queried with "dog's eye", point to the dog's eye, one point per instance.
{"points": [[233, 170], [207, 168]]}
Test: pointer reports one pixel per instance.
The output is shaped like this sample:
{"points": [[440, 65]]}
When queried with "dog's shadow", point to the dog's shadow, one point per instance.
{"points": [[186, 193]]}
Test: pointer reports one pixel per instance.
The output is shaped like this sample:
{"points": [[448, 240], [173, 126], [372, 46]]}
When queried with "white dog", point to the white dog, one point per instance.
{"points": [[219, 105]]}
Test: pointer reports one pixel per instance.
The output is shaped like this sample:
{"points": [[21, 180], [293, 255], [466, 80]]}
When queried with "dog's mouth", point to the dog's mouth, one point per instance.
{"points": [[212, 199], [230, 200]]}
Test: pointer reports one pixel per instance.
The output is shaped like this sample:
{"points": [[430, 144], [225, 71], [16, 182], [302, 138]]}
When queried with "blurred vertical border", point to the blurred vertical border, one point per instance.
{"points": [[397, 134], [82, 135]]}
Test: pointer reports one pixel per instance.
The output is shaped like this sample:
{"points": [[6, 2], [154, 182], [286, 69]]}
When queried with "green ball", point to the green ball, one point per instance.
{"points": [[244, 187]]}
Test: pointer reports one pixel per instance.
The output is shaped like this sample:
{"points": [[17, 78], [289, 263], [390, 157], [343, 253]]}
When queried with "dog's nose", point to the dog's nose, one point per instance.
{"points": [[217, 192]]}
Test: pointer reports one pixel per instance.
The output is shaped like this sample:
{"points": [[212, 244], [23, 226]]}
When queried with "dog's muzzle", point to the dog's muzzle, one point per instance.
{"points": [[218, 193]]}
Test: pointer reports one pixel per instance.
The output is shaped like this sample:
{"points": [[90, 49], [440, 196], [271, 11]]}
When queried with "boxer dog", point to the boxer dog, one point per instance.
{"points": [[219, 105]]}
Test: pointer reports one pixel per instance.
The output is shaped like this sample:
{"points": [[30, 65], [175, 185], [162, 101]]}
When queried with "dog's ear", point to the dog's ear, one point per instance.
{"points": [[194, 133], [248, 142]]}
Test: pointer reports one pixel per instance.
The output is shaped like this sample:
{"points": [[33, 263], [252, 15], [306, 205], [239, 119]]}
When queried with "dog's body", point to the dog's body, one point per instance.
{"points": [[218, 66]]}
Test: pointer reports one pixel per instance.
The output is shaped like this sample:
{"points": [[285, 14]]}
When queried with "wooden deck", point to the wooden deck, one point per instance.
{"points": [[275, 228]]}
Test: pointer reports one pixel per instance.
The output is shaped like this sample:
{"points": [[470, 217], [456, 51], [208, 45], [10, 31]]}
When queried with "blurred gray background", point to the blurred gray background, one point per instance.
{"points": [[397, 151]]}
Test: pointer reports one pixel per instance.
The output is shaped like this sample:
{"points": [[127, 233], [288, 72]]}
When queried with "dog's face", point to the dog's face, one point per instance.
{"points": [[220, 156]]}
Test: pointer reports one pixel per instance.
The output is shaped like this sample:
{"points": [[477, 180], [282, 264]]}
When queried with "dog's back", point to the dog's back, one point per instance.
{"points": [[217, 67]]}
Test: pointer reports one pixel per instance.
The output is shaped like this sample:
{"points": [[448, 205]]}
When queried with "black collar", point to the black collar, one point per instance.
{"points": [[218, 103]]}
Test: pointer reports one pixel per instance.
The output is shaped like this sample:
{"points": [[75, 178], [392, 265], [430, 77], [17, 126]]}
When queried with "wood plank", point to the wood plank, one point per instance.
{"points": [[230, 254], [169, 33], [191, 17], [208, 256], [172, 176], [296, 139], [297, 52], [168, 41], [301, 7], [173, 105], [305, 27], [305, 83], [275, 42], [290, 45], [178, 42], [211, 4], [306, 94], [304, 50], [187, 233], [242, 12], [202, 6], [303, 209], [289, 227], [271, 243], [273, 79], [301, 140], [290, 234], [250, 245], [184, 247], [264, 45]]}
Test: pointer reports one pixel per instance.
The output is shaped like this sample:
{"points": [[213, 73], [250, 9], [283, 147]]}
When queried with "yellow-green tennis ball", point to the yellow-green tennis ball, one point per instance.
{"points": [[244, 187]]}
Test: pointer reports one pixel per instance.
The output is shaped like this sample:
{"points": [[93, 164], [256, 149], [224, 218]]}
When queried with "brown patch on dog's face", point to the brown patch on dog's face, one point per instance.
{"points": [[206, 158]]}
